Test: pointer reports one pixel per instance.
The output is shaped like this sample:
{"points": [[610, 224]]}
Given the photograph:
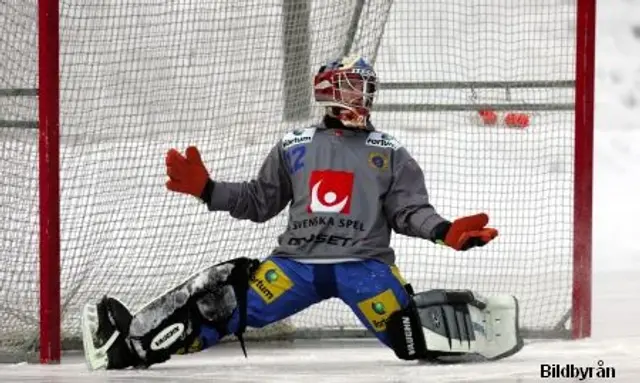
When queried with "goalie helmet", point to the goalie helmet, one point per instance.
{"points": [[346, 88]]}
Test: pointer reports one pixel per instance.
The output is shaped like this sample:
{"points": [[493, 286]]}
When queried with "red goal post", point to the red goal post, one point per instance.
{"points": [[135, 82], [49, 181]]}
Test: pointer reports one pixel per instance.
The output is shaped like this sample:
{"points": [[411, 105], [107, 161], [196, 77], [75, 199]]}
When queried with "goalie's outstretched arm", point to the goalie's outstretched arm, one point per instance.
{"points": [[257, 200], [407, 204], [410, 212]]}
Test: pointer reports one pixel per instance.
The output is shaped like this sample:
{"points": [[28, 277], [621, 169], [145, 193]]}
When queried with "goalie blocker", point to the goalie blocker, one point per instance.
{"points": [[452, 326]]}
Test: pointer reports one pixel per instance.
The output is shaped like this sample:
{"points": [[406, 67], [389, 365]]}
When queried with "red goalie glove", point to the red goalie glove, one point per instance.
{"points": [[186, 174], [471, 231]]}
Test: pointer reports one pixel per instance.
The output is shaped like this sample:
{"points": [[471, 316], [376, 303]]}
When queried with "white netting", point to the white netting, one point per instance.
{"points": [[139, 77]]}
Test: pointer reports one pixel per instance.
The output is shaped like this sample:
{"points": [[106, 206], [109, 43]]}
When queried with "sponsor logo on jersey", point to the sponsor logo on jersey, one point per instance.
{"points": [[298, 137], [331, 191], [382, 140], [167, 337], [378, 309], [324, 221], [335, 240], [378, 161], [270, 282]]}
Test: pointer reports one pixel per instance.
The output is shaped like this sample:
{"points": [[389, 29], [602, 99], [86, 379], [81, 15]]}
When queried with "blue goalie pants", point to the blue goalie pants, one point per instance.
{"points": [[282, 287]]}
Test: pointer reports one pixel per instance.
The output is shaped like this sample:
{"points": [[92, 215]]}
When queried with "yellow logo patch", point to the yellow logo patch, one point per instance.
{"points": [[378, 309], [270, 282], [378, 161]]}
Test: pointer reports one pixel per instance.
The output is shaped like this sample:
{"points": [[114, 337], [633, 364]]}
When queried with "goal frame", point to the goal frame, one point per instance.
{"points": [[583, 169], [49, 178], [49, 174]]}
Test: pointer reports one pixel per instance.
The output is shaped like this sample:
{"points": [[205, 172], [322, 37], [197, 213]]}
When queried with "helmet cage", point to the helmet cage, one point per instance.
{"points": [[352, 89]]}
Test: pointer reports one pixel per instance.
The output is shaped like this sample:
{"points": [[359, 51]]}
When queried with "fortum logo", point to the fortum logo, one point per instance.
{"points": [[382, 140], [331, 191]]}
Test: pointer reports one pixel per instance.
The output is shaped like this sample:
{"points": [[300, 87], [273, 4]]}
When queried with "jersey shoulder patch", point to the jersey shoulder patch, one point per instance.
{"points": [[298, 137], [382, 140]]}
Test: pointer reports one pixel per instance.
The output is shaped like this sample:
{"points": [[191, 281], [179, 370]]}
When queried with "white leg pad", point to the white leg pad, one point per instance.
{"points": [[492, 331]]}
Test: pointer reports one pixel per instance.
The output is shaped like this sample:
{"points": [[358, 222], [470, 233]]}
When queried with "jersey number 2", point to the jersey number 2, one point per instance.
{"points": [[295, 158]]}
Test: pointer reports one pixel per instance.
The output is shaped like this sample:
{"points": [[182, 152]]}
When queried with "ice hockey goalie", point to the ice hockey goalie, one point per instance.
{"points": [[348, 186]]}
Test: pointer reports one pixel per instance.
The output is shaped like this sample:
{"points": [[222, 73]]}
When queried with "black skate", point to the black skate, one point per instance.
{"points": [[105, 327]]}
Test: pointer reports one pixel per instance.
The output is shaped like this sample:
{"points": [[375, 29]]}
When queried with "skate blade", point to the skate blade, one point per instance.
{"points": [[95, 357]]}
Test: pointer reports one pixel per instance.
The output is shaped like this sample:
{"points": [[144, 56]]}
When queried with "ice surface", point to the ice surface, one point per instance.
{"points": [[616, 342]]}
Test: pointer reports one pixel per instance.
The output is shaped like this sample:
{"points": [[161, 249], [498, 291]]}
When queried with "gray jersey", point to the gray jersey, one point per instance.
{"points": [[346, 191]]}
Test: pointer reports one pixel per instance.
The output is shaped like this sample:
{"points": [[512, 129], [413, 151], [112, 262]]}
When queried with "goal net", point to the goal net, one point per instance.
{"points": [[140, 77]]}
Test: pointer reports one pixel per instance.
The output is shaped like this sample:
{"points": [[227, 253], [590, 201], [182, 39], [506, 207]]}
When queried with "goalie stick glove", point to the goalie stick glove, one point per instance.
{"points": [[187, 174], [465, 233]]}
